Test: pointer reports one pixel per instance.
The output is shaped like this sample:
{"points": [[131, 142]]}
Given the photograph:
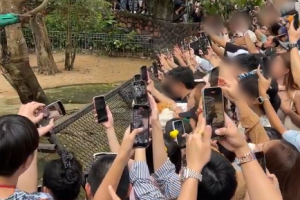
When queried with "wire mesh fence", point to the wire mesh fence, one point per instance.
{"points": [[127, 45]]}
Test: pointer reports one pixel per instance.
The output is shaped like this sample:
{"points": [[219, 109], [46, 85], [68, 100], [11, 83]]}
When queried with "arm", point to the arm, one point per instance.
{"points": [[162, 98], [28, 181], [164, 174], [295, 62], [259, 186], [216, 39], [250, 121], [140, 179], [189, 189], [292, 114], [112, 139], [249, 44], [218, 50]]}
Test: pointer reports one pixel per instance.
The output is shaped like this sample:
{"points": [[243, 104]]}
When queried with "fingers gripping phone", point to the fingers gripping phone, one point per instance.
{"points": [[203, 43], [100, 107], [144, 73], [140, 92], [179, 126], [155, 69], [214, 77], [54, 111], [214, 108], [140, 118], [265, 67], [296, 21], [260, 157]]}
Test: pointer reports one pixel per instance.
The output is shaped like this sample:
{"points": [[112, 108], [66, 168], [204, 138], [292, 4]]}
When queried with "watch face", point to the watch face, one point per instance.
{"points": [[182, 175], [260, 100]]}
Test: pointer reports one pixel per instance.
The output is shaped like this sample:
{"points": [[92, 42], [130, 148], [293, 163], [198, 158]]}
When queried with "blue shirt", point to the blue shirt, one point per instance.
{"points": [[292, 137], [21, 195]]}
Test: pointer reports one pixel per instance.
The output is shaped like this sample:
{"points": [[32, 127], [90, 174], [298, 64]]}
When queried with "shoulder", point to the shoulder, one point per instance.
{"points": [[21, 195]]}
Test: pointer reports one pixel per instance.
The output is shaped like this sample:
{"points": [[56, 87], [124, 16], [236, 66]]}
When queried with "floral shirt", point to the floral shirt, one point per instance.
{"points": [[21, 195]]}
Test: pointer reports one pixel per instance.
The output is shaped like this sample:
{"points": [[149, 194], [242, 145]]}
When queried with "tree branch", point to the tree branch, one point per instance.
{"points": [[37, 9]]}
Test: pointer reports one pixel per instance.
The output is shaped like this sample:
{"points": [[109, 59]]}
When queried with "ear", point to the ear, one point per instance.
{"points": [[87, 188]]}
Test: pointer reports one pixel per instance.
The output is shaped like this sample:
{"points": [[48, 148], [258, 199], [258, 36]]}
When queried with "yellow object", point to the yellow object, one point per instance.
{"points": [[166, 149], [174, 134], [291, 18]]}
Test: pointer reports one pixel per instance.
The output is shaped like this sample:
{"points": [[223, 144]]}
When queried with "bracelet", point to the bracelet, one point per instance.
{"points": [[246, 158]]}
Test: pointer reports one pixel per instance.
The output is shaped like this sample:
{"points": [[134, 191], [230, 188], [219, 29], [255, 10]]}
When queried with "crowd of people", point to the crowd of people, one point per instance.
{"points": [[257, 57]]}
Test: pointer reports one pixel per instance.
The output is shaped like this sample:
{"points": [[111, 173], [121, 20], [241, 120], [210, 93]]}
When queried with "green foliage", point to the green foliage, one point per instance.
{"points": [[85, 16], [225, 7]]}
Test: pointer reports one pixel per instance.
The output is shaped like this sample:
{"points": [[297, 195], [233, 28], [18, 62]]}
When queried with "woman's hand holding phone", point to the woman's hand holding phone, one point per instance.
{"points": [[233, 140], [229, 88], [126, 149], [263, 83], [154, 109]]}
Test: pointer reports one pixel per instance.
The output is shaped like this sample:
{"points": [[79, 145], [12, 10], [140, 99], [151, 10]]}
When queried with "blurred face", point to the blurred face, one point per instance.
{"points": [[251, 101], [174, 86], [278, 69], [269, 42], [234, 71]]}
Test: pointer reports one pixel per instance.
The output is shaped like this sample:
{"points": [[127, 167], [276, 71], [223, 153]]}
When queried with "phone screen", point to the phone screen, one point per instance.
{"points": [[137, 77], [260, 157], [144, 73], [214, 76], [214, 108], [265, 66], [54, 111], [296, 21], [179, 126], [141, 119], [155, 69], [140, 92], [100, 106]]}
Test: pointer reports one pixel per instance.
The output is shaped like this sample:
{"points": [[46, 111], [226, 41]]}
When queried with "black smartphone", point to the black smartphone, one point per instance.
{"points": [[144, 73], [213, 104], [137, 77], [100, 107], [203, 42], [139, 90], [39, 188], [140, 119], [265, 67], [155, 69], [260, 157], [214, 76], [296, 21], [54, 111], [179, 126]]}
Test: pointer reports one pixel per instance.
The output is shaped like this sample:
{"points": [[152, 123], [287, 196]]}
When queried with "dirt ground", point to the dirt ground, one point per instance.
{"points": [[87, 69]]}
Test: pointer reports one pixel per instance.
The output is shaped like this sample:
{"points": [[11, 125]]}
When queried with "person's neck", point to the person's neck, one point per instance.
{"points": [[280, 81], [184, 93], [7, 186], [257, 111]]}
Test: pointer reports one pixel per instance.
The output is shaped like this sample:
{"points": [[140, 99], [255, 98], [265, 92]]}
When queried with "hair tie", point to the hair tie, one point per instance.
{"points": [[66, 159]]}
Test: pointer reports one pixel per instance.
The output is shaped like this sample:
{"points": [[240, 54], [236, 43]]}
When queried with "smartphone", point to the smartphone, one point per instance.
{"points": [[144, 73], [139, 90], [213, 108], [155, 69], [140, 118], [54, 111], [214, 76], [296, 21], [264, 65], [203, 43], [137, 77], [100, 107], [179, 126], [260, 157], [39, 188], [97, 155]]}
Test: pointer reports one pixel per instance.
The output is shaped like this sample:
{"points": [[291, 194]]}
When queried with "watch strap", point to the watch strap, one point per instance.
{"points": [[189, 173], [292, 45], [246, 158]]}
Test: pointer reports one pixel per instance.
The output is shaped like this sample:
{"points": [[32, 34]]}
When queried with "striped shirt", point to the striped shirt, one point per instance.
{"points": [[167, 180], [21, 195], [142, 184]]}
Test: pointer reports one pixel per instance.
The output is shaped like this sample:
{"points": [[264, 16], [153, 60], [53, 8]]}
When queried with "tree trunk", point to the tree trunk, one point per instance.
{"points": [[162, 9], [45, 60], [17, 66]]}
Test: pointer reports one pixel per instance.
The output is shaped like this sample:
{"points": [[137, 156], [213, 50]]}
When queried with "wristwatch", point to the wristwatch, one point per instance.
{"points": [[246, 158], [261, 99], [188, 173], [291, 46]]}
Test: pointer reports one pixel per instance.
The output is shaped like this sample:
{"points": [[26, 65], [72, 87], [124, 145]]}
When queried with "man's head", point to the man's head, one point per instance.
{"points": [[244, 63], [219, 179], [179, 80], [63, 183], [97, 173], [19, 139]]}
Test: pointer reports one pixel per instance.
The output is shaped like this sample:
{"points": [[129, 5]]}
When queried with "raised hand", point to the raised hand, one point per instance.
{"points": [[294, 34], [126, 148], [229, 88], [32, 111], [154, 109], [263, 83]]}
